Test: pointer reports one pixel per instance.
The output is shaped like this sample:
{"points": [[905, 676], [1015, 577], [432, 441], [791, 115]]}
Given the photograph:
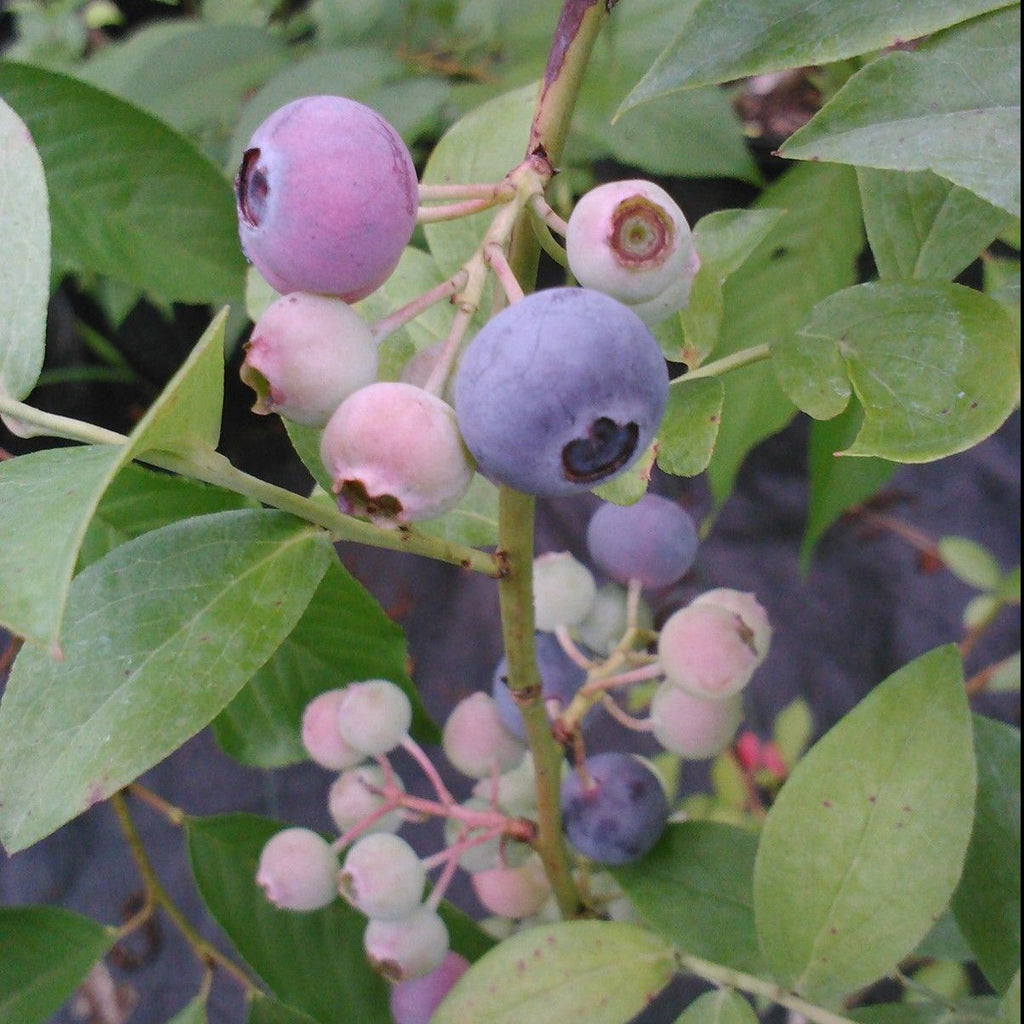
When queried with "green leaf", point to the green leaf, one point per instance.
{"points": [[970, 562], [263, 1010], [722, 40], [694, 889], [474, 521], [952, 106], [836, 485], [44, 953], [129, 198], [866, 841], [722, 1006], [945, 941], [482, 147], [809, 253], [1006, 678], [159, 635], [792, 730], [966, 1011], [314, 961], [601, 972], [139, 500], [25, 268], [193, 1013], [689, 428], [987, 901], [923, 226], [933, 365], [46, 501], [1009, 1008], [343, 636]]}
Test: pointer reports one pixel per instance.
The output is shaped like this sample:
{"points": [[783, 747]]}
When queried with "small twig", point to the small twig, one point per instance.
{"points": [[387, 325]]}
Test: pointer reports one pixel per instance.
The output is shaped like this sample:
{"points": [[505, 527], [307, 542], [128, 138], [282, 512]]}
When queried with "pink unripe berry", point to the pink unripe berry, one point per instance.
{"points": [[327, 198], [414, 1001], [409, 947], [297, 870], [691, 727], [563, 590], [382, 876], [321, 736], [475, 741], [356, 794], [516, 892], [630, 240], [374, 716], [748, 608], [748, 751], [395, 454], [707, 651], [306, 355], [773, 761]]}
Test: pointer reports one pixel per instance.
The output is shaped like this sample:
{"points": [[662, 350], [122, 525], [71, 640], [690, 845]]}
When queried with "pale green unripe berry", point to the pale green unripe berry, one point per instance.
{"points": [[476, 742], [516, 789], [374, 716], [606, 621], [409, 947], [691, 727], [382, 876], [297, 870], [748, 608], [306, 355], [563, 590], [354, 796]]}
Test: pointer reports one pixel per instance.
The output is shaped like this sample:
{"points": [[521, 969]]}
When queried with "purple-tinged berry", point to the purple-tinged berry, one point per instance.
{"points": [[654, 541], [692, 727], [414, 1001], [395, 455], [382, 876], [306, 354], [297, 870], [327, 198], [409, 947], [617, 811], [561, 391]]}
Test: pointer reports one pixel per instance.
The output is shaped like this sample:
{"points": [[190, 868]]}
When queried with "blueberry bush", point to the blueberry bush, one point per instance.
{"points": [[428, 232]]}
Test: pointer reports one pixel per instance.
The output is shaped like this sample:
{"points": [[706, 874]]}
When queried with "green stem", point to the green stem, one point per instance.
{"points": [[213, 468], [718, 367], [720, 975]]}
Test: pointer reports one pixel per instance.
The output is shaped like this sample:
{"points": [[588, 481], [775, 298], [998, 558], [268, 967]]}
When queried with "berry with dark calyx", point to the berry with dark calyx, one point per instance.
{"points": [[560, 678], [395, 455], [374, 716], [692, 727], [630, 240], [414, 1001], [355, 795], [475, 740], [306, 354], [327, 198], [561, 391], [382, 876], [297, 870], [654, 541], [617, 811], [321, 736], [563, 590], [408, 947]]}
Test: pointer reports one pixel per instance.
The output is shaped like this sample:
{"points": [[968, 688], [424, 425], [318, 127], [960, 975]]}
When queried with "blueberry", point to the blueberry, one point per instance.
{"points": [[654, 541], [560, 391], [619, 813], [327, 198]]}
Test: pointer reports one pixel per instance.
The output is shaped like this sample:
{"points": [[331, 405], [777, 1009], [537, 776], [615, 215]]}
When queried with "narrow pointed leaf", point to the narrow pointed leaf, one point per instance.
{"points": [[864, 846], [25, 266], [44, 954], [159, 636]]}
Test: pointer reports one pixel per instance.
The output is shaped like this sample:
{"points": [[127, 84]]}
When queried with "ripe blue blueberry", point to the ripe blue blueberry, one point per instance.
{"points": [[618, 813], [327, 198], [560, 392], [654, 541]]}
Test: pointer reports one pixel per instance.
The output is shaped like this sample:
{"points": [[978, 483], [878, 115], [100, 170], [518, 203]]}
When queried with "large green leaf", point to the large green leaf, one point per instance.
{"points": [[808, 253], [987, 902], [933, 365], [923, 226], [481, 147], [864, 846], [689, 428], [343, 636], [314, 962], [25, 268], [601, 972], [722, 40], [44, 953], [722, 1006], [263, 1010], [129, 197], [159, 635], [695, 889], [924, 110]]}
